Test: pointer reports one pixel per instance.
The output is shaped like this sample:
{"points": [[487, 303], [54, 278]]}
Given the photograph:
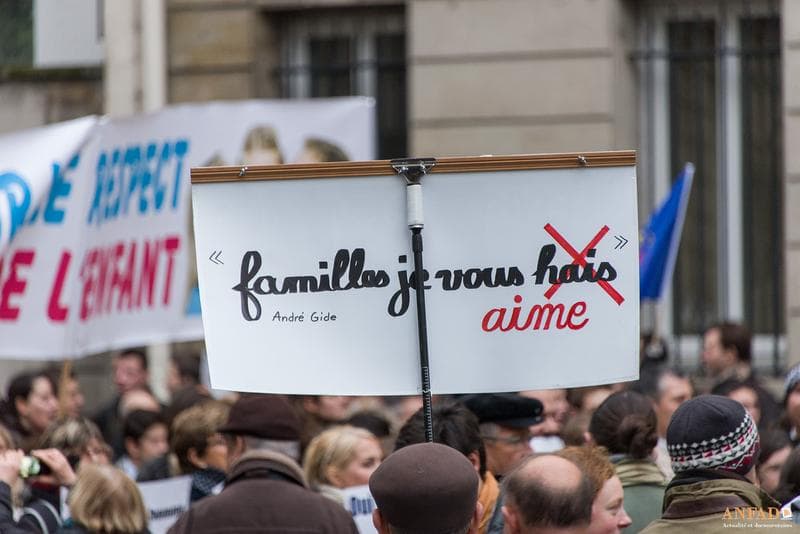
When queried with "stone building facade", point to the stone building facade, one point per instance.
{"points": [[716, 82]]}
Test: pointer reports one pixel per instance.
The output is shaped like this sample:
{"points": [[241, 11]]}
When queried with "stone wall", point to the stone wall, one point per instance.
{"points": [[34, 99], [212, 50], [514, 76]]}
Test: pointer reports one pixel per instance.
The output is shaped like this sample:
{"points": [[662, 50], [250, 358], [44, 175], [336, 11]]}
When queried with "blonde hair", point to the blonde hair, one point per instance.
{"points": [[264, 138], [105, 500], [71, 435], [324, 150], [335, 447]]}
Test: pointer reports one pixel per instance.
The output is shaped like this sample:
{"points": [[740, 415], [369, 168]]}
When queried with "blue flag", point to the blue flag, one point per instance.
{"points": [[661, 237]]}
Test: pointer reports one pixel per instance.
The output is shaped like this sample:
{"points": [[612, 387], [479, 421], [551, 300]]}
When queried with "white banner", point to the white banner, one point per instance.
{"points": [[529, 283], [96, 245]]}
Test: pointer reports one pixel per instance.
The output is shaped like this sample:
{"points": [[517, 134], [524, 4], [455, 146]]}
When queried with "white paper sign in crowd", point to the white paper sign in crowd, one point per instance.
{"points": [[359, 502], [96, 249], [528, 280], [165, 500]]}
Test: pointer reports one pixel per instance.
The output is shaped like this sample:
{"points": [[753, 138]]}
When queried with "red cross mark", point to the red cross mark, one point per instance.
{"points": [[580, 259]]}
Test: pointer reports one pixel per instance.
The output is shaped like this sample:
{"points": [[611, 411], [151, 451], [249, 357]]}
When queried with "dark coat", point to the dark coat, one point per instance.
{"points": [[265, 492], [39, 516], [709, 502], [110, 424]]}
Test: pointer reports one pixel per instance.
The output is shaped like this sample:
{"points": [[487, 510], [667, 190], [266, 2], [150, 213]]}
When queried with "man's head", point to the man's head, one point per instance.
{"points": [[668, 389], [195, 437], [453, 425], [130, 370], [184, 371], [743, 392], [725, 345], [327, 408], [504, 420], [608, 513], [262, 422], [713, 432], [137, 399], [547, 433], [145, 435], [547, 494], [425, 488]]}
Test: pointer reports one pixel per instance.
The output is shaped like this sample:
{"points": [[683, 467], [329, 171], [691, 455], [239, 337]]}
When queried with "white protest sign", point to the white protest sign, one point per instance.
{"points": [[96, 249], [359, 502], [306, 283], [165, 500], [63, 496]]}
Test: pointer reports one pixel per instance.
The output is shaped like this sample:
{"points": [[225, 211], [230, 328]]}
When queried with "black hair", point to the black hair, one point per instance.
{"points": [[453, 425], [138, 422], [649, 383], [727, 387], [188, 366], [21, 387], [789, 484], [625, 423], [183, 399], [371, 420], [135, 352], [734, 336]]}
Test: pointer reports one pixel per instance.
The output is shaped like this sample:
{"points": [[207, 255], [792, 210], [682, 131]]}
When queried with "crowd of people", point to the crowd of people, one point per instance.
{"points": [[667, 453]]}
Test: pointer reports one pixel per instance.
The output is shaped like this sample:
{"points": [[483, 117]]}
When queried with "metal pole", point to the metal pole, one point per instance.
{"points": [[412, 171], [422, 330]]}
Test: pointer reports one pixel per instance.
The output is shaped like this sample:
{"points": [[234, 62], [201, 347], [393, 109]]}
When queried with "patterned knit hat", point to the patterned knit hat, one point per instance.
{"points": [[712, 432], [792, 379]]}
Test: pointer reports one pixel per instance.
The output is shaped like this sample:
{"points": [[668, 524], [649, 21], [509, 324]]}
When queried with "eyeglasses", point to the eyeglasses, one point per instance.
{"points": [[510, 440]]}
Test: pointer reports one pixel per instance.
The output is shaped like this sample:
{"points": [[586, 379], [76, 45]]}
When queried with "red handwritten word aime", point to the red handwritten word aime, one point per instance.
{"points": [[535, 317], [125, 276]]}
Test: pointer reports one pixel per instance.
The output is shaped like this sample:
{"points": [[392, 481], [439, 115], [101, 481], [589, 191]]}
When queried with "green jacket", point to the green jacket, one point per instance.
{"points": [[714, 502], [644, 485]]}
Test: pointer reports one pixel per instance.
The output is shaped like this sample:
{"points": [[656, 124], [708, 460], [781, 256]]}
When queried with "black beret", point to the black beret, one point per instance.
{"points": [[425, 488], [263, 416], [505, 409]]}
